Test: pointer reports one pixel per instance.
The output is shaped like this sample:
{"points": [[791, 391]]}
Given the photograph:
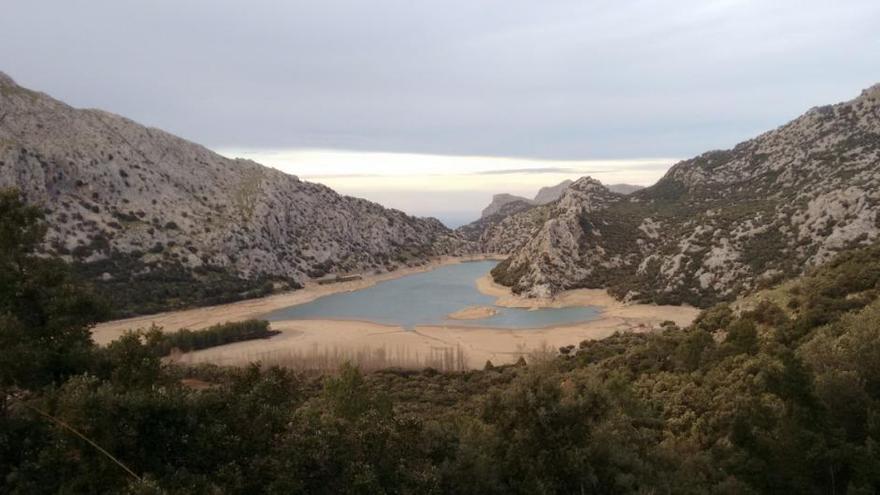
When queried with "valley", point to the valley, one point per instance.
{"points": [[716, 332], [363, 339], [430, 248], [164, 228], [148, 220]]}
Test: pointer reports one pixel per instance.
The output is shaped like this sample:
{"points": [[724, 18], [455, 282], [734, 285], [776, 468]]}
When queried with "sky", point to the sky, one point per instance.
{"points": [[414, 103]]}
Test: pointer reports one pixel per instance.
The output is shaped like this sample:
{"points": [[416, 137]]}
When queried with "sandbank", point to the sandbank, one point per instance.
{"points": [[473, 313]]}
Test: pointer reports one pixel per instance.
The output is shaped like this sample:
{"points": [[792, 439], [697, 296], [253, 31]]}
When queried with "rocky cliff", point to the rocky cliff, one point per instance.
{"points": [[503, 201], [136, 203], [715, 225], [551, 193], [509, 221]]}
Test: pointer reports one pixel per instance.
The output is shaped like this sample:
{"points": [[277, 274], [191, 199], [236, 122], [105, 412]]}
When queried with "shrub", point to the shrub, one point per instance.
{"points": [[187, 340]]}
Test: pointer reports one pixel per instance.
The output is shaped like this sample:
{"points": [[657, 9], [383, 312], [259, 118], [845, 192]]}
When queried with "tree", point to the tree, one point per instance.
{"points": [[45, 316], [542, 434]]}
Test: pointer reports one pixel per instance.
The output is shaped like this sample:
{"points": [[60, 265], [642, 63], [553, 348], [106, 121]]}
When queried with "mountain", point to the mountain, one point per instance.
{"points": [[500, 201], [139, 209], [714, 226], [551, 193], [503, 206], [545, 195], [496, 234], [624, 188]]}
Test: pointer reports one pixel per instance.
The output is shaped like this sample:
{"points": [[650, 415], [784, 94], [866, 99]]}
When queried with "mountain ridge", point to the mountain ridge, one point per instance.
{"points": [[491, 232], [544, 195], [716, 225], [128, 202]]}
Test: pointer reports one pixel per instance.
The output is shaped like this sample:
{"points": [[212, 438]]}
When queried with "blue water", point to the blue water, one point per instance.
{"points": [[426, 299]]}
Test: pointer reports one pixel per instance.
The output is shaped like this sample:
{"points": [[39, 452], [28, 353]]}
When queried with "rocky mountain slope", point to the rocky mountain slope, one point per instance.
{"points": [[545, 195], [499, 231], [503, 206], [715, 225], [134, 204], [551, 193], [502, 201]]}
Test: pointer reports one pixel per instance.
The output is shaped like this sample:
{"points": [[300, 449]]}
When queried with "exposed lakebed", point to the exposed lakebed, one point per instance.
{"points": [[428, 299]]}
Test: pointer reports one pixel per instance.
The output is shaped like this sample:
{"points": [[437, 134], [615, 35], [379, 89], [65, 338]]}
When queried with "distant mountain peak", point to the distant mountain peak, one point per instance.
{"points": [[586, 183], [499, 201], [551, 193], [545, 195], [624, 188]]}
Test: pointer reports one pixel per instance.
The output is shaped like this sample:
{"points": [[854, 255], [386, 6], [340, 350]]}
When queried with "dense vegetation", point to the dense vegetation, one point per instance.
{"points": [[137, 287], [185, 340], [777, 394]]}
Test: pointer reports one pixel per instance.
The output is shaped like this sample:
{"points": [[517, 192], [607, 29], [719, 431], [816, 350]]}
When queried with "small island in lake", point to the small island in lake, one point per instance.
{"points": [[473, 313]]}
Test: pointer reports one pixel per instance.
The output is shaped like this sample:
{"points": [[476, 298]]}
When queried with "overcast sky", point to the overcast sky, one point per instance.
{"points": [[537, 81]]}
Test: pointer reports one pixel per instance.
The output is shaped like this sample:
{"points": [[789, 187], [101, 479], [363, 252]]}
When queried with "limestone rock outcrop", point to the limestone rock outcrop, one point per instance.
{"points": [[111, 187], [716, 225]]}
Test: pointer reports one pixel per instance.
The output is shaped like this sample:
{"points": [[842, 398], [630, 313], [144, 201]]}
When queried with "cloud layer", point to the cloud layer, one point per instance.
{"points": [[566, 79], [452, 188]]}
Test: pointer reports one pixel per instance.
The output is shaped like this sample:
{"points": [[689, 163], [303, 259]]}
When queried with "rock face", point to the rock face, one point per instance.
{"points": [[502, 201], [484, 232], [715, 225], [112, 187], [509, 221], [475, 231], [552, 193]]}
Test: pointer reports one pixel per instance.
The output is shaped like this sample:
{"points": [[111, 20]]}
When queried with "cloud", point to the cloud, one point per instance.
{"points": [[449, 97], [511, 171], [569, 79], [538, 170], [342, 176]]}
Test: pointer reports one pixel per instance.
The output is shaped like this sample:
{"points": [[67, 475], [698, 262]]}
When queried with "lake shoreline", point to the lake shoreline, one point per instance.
{"points": [[316, 340], [205, 316], [570, 298]]}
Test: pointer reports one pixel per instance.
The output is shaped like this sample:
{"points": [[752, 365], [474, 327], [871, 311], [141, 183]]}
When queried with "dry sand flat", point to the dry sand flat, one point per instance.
{"points": [[315, 342], [579, 297], [327, 343], [304, 342]]}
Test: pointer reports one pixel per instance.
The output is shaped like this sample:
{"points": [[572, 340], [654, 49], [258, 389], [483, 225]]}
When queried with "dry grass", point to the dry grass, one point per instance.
{"points": [[330, 358]]}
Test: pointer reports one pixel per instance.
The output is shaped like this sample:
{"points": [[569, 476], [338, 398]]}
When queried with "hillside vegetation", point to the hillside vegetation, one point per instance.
{"points": [[779, 394]]}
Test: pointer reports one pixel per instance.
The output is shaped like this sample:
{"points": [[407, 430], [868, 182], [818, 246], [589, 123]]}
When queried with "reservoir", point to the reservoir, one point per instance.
{"points": [[427, 299]]}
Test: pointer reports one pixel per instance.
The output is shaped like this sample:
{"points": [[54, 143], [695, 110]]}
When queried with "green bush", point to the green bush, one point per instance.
{"points": [[186, 340], [137, 287]]}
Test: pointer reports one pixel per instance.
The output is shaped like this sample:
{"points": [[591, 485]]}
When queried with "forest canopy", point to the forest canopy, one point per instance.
{"points": [[777, 393]]}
